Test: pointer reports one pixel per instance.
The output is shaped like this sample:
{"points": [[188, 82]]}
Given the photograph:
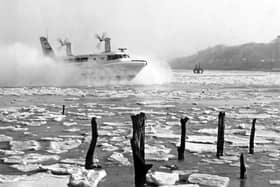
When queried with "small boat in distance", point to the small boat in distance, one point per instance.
{"points": [[116, 65], [197, 69]]}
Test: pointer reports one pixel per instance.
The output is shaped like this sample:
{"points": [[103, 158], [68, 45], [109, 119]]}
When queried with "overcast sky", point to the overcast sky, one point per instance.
{"points": [[160, 28]]}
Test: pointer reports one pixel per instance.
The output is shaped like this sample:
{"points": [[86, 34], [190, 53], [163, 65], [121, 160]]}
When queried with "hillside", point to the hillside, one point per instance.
{"points": [[250, 56]]}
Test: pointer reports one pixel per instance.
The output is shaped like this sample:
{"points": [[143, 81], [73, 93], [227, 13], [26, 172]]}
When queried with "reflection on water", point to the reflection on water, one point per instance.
{"points": [[243, 183]]}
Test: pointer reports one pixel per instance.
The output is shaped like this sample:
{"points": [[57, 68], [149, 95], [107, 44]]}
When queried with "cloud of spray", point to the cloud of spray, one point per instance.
{"points": [[156, 72], [22, 65]]}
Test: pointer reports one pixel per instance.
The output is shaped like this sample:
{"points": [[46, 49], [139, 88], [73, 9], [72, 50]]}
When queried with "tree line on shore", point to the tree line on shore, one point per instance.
{"points": [[249, 56]]}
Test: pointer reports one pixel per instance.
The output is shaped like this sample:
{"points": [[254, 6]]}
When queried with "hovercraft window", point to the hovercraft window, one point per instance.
{"points": [[115, 57], [81, 59]]}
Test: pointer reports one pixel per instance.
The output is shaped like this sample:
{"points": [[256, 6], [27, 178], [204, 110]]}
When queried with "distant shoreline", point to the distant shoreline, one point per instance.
{"points": [[225, 69]]}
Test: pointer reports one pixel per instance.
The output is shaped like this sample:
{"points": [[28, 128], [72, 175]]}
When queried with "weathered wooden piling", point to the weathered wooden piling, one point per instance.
{"points": [[138, 149], [181, 149], [63, 109], [252, 137], [242, 167], [89, 157], [220, 137]]}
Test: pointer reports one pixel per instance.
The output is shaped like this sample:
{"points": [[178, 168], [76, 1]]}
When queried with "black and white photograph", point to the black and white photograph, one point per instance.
{"points": [[130, 93]]}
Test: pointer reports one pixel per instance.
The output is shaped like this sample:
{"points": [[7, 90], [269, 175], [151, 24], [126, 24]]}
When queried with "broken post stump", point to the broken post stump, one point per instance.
{"points": [[242, 167], [89, 157], [63, 109], [138, 149], [252, 137], [181, 149], [220, 137]]}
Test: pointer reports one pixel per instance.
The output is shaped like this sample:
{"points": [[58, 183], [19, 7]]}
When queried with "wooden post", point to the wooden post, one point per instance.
{"points": [[138, 149], [89, 158], [242, 167], [181, 149], [63, 109], [220, 137], [252, 137]]}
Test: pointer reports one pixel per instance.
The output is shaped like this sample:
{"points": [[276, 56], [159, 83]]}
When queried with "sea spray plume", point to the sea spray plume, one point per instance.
{"points": [[156, 72], [22, 65]]}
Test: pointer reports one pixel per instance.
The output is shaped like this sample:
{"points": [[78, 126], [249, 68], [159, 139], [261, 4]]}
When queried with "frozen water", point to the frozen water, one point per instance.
{"points": [[209, 180], [25, 145], [4, 138], [59, 147], [200, 148], [33, 114], [87, 178], [119, 157], [162, 178], [29, 158]]}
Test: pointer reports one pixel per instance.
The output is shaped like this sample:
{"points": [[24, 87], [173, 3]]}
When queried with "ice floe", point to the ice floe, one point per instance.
{"points": [[108, 147], [162, 178], [250, 115], [35, 123], [237, 164], [229, 157], [57, 117], [61, 169], [214, 161], [68, 123], [76, 161], [51, 139], [209, 180], [4, 138], [71, 99], [125, 108], [200, 148], [58, 147], [104, 133], [71, 136], [27, 167], [114, 124], [208, 131], [118, 139], [275, 154], [29, 158], [161, 132], [157, 153], [10, 152], [14, 128], [72, 130], [267, 134], [119, 157], [274, 182], [38, 179], [267, 170], [86, 178], [74, 92], [11, 178], [25, 145]]}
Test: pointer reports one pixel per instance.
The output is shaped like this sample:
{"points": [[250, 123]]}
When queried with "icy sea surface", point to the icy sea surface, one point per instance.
{"points": [[36, 137]]}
